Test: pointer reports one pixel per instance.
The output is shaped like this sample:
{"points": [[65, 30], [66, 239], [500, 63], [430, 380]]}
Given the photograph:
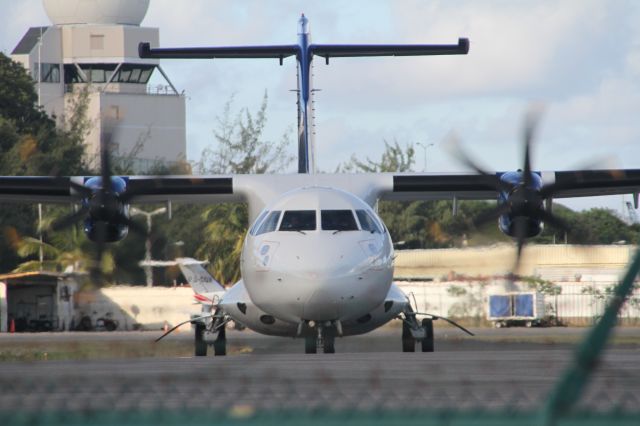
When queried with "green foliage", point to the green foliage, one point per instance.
{"points": [[594, 226], [68, 249], [18, 97], [241, 147], [30, 144], [395, 158]]}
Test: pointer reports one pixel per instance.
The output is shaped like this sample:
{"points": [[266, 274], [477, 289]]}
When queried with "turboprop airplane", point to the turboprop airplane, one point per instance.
{"points": [[317, 262]]}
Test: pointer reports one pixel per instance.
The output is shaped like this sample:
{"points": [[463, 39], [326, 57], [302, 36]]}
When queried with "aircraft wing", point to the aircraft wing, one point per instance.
{"points": [[145, 189], [559, 184], [277, 51], [352, 50]]}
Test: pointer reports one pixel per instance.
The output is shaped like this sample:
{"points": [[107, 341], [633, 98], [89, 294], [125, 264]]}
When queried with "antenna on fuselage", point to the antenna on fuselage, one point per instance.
{"points": [[304, 52]]}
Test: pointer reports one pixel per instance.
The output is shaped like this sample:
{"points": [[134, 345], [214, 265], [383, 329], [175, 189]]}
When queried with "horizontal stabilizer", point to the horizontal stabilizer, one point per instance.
{"points": [[353, 50], [278, 52]]}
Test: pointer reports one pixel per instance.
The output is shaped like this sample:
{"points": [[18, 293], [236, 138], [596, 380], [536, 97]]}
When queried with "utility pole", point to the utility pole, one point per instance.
{"points": [[424, 147], [147, 257]]}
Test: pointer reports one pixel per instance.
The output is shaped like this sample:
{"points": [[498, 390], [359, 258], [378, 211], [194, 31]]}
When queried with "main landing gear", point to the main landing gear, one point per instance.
{"points": [[413, 332], [421, 332], [319, 336]]}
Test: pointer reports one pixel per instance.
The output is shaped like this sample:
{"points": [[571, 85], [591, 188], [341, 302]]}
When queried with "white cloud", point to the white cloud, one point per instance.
{"points": [[582, 58]]}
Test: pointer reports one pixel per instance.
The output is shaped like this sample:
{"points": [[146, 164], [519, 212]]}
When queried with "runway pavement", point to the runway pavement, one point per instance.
{"points": [[368, 372]]}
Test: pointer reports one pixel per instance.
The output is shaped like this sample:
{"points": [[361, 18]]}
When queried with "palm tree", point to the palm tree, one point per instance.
{"points": [[68, 250]]}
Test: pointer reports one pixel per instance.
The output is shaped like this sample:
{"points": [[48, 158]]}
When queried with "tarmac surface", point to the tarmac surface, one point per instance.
{"points": [[500, 369]]}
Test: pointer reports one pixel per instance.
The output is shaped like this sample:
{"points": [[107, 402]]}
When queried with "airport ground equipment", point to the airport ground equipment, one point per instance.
{"points": [[517, 308]]}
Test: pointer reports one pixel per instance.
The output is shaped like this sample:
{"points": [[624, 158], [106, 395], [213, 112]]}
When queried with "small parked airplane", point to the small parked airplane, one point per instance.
{"points": [[317, 261]]}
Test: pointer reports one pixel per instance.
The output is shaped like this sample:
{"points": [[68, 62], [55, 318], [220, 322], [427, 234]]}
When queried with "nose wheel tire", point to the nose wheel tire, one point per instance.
{"points": [[408, 342], [220, 344], [428, 341], [200, 344]]}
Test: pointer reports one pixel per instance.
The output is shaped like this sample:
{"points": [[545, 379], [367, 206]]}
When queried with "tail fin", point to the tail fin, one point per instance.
{"points": [[200, 280]]}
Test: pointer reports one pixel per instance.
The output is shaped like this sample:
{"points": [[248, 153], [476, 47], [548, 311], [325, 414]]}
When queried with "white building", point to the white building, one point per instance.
{"points": [[93, 45]]}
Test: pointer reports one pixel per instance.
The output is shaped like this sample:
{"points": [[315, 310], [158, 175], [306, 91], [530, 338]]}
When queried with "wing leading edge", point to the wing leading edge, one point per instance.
{"points": [[146, 189], [562, 184]]}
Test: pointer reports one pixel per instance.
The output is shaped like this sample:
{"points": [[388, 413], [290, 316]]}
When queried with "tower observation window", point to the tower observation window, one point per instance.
{"points": [[47, 73], [101, 73]]}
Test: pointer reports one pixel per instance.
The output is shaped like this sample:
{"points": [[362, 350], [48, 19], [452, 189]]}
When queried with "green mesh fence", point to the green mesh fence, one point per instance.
{"points": [[220, 392]]}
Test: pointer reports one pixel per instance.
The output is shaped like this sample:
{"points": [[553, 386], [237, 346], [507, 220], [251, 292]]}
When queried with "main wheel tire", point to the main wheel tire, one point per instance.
{"points": [[408, 342], [428, 341], [200, 344], [310, 345], [220, 344], [329, 344]]}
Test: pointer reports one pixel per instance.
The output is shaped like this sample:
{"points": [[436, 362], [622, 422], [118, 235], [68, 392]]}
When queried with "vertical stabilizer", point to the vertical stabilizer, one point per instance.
{"points": [[200, 280], [304, 52]]}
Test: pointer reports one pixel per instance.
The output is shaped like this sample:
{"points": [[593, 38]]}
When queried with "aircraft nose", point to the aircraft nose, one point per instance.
{"points": [[313, 280]]}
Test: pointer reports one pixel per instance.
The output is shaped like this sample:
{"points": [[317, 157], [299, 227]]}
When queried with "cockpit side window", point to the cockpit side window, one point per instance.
{"points": [[254, 228], [298, 220], [338, 220], [270, 223], [367, 222]]}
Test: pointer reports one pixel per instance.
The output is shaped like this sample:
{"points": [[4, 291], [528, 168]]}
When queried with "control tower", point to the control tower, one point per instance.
{"points": [[93, 46]]}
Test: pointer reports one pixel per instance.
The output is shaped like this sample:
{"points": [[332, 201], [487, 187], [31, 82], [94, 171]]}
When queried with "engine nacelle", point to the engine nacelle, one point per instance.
{"points": [[524, 205], [532, 227], [113, 232], [108, 215]]}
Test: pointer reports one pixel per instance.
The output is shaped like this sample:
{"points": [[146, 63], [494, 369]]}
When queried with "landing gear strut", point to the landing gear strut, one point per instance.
{"points": [[220, 344], [200, 344], [428, 341]]}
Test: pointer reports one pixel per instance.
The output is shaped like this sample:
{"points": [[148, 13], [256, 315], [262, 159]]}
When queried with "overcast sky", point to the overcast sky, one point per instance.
{"points": [[579, 58]]}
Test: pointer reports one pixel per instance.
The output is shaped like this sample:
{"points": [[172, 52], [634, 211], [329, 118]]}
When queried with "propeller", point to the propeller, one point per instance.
{"points": [[524, 196], [105, 206]]}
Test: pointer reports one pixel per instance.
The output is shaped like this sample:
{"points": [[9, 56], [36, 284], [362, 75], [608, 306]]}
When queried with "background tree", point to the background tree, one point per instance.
{"points": [[30, 144]]}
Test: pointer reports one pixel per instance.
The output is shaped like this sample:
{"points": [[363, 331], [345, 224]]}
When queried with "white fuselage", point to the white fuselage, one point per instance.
{"points": [[316, 254]]}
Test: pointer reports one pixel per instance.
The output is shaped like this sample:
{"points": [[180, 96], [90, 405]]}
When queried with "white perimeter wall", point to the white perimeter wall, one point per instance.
{"points": [[577, 300], [149, 306]]}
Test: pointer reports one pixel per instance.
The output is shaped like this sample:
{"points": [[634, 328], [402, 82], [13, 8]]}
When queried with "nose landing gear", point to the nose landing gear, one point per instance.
{"points": [[320, 336], [413, 332]]}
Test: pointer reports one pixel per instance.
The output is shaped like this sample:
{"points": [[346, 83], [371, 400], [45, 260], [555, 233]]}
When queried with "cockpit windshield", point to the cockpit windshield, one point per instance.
{"points": [[254, 228], [298, 220], [269, 224], [338, 220], [367, 222]]}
